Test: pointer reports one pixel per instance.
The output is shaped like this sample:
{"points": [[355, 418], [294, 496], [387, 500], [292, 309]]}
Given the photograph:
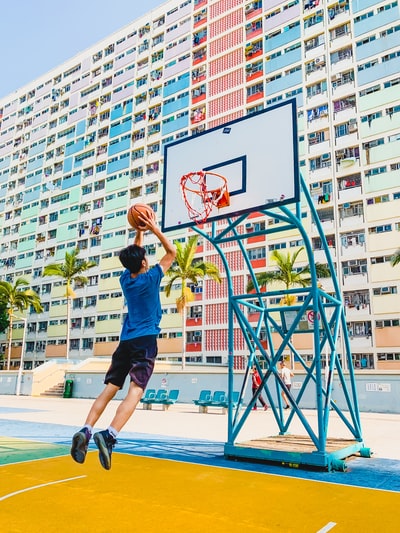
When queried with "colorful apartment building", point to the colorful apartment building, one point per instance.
{"points": [[80, 144]]}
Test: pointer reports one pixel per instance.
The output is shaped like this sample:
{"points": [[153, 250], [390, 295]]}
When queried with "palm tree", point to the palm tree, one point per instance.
{"points": [[287, 275], [395, 260], [16, 299], [3, 317], [188, 269], [71, 271], [3, 324]]}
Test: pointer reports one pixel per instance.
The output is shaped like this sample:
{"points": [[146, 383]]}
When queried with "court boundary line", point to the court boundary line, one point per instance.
{"points": [[328, 527], [10, 494]]}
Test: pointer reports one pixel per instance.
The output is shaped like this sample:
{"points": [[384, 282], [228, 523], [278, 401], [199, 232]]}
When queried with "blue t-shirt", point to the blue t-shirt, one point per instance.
{"points": [[142, 295]]}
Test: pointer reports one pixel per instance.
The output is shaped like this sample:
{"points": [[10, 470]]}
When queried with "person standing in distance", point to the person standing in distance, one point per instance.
{"points": [[255, 383], [286, 375], [137, 350]]}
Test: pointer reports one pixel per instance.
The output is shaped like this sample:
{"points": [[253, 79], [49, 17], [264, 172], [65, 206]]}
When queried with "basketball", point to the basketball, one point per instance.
{"points": [[135, 210]]}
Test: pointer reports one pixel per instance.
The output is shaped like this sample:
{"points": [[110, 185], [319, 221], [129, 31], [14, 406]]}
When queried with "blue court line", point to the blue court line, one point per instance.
{"points": [[382, 474]]}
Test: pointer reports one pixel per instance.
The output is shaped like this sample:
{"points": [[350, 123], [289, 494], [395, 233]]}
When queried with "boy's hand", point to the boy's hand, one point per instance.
{"points": [[147, 221]]}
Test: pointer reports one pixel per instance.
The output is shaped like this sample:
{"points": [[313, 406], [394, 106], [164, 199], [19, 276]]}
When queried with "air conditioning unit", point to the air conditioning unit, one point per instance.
{"points": [[86, 224], [353, 121]]}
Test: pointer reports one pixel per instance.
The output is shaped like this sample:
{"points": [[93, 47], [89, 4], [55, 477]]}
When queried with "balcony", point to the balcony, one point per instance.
{"points": [[199, 74], [351, 214], [353, 245], [198, 115], [199, 56], [360, 333], [326, 218], [254, 28], [345, 107], [357, 304], [253, 50], [253, 9], [355, 274], [194, 321]]}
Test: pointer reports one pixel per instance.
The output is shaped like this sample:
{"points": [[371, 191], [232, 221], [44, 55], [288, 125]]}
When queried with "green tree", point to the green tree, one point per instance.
{"points": [[395, 260], [3, 317], [71, 271], [3, 322], [17, 299], [286, 274], [187, 269]]}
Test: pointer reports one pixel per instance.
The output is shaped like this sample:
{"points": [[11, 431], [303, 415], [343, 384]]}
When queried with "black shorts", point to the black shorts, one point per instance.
{"points": [[135, 357]]}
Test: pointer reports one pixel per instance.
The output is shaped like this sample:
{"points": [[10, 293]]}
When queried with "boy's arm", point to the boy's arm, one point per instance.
{"points": [[139, 238], [170, 250]]}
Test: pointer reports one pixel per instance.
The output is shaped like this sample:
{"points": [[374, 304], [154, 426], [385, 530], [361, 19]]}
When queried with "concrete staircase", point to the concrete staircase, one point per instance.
{"points": [[57, 391]]}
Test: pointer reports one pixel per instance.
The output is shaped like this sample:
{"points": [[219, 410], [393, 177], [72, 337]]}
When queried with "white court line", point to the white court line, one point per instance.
{"points": [[39, 487], [328, 527]]}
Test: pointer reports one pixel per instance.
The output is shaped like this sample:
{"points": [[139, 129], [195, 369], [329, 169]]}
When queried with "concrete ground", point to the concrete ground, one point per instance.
{"points": [[381, 432]]}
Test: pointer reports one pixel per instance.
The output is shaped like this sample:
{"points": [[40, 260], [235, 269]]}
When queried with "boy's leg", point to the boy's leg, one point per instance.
{"points": [[80, 441], [127, 407], [104, 440], [101, 403]]}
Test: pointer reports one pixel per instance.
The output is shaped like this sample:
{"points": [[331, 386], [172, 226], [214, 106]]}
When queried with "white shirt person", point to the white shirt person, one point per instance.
{"points": [[286, 375]]}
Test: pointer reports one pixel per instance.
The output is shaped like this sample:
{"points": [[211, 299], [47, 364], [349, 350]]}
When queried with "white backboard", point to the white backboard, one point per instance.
{"points": [[257, 155]]}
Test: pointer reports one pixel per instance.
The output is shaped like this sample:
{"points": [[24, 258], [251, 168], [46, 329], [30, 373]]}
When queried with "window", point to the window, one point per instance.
{"points": [[193, 336], [277, 246], [380, 229], [381, 259], [359, 329], [390, 323], [256, 253], [379, 291], [87, 344], [388, 356]]}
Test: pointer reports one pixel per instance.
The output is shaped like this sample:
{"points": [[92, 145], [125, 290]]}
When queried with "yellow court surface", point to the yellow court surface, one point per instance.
{"points": [[150, 495]]}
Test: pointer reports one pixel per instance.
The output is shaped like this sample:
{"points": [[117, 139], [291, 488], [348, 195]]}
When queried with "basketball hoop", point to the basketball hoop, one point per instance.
{"points": [[203, 190]]}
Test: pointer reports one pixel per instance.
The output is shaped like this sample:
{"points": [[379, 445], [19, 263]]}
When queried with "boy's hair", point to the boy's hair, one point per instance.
{"points": [[131, 257]]}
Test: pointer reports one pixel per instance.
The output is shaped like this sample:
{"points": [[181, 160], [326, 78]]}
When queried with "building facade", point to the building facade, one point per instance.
{"points": [[80, 144]]}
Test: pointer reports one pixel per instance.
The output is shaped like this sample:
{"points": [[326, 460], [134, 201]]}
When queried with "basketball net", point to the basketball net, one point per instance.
{"points": [[199, 198]]}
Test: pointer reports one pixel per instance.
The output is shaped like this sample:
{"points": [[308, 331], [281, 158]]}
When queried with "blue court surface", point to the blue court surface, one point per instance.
{"points": [[383, 474]]}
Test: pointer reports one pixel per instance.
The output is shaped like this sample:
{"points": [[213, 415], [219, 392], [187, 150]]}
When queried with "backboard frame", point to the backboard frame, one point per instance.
{"points": [[179, 156]]}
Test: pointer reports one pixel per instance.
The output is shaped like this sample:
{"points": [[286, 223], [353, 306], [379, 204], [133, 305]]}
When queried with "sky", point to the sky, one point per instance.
{"points": [[38, 35]]}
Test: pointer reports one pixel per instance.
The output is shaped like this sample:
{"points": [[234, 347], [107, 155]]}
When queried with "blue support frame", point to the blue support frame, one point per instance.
{"points": [[329, 331]]}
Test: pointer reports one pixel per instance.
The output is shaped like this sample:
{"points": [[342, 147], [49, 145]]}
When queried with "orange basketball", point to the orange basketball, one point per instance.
{"points": [[134, 212]]}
